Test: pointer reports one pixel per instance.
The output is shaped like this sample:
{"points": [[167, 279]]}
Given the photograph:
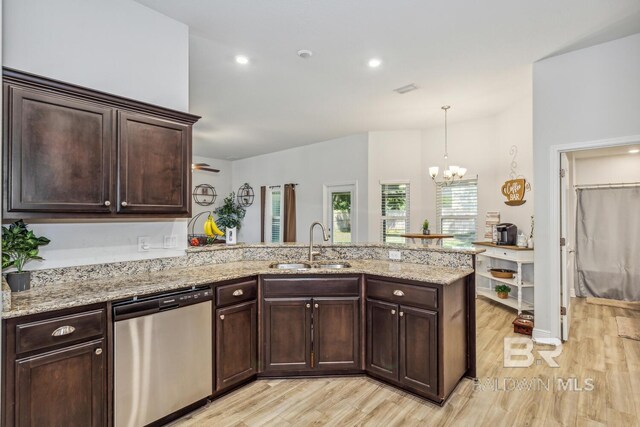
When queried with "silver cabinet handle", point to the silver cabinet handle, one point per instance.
{"points": [[98, 351], [398, 293], [401, 314], [222, 317], [238, 292], [107, 203], [63, 330], [316, 305], [308, 305], [124, 204], [393, 312]]}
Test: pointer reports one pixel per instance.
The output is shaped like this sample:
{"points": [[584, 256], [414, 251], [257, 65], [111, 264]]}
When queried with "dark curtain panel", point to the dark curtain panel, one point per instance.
{"points": [[289, 223], [608, 243], [263, 200]]}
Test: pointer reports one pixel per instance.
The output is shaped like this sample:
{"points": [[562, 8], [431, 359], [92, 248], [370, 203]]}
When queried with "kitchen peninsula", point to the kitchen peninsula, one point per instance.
{"points": [[408, 323]]}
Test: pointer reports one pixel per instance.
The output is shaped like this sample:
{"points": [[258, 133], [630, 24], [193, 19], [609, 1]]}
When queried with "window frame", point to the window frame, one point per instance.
{"points": [[407, 216], [440, 217], [269, 213]]}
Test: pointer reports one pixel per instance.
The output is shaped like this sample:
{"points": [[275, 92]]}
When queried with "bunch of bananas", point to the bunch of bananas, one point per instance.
{"points": [[211, 229]]}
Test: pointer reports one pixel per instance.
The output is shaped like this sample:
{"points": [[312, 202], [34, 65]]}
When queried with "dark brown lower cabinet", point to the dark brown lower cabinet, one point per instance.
{"points": [[382, 339], [236, 344], [64, 387], [287, 334], [402, 345], [307, 335], [336, 333], [419, 349]]}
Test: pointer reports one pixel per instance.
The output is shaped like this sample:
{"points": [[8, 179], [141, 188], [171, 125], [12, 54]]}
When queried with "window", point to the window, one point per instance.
{"points": [[273, 218], [457, 212], [395, 212]]}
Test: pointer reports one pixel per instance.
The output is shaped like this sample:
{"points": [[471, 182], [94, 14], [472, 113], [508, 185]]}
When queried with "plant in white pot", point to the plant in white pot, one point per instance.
{"points": [[19, 245], [230, 216]]}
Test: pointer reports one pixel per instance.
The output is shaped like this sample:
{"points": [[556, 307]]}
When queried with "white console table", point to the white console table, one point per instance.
{"points": [[511, 257]]}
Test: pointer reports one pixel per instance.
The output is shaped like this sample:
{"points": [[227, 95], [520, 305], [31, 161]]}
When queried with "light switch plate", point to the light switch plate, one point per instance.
{"points": [[395, 255]]}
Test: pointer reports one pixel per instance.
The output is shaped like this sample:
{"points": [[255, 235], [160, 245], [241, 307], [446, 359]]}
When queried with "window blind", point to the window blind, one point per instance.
{"points": [[276, 203], [394, 209], [457, 211]]}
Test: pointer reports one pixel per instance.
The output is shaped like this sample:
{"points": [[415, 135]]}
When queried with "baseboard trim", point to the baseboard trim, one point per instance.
{"points": [[542, 336]]}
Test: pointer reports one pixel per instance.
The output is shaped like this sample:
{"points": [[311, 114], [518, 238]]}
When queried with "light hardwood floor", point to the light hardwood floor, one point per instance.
{"points": [[594, 352]]}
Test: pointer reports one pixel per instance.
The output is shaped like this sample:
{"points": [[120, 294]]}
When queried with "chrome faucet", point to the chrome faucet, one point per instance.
{"points": [[325, 236]]}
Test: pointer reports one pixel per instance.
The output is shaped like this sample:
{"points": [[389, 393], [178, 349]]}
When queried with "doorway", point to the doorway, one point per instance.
{"points": [[564, 205], [341, 212]]}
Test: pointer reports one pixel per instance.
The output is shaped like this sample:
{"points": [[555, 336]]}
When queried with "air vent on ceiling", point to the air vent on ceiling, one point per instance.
{"points": [[404, 89]]}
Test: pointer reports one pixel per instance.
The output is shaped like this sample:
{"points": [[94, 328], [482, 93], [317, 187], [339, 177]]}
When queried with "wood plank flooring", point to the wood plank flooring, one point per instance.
{"points": [[502, 397]]}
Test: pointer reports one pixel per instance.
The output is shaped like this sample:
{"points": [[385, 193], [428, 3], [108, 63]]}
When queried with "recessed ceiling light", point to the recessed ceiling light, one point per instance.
{"points": [[241, 59], [304, 53], [374, 62], [634, 151]]}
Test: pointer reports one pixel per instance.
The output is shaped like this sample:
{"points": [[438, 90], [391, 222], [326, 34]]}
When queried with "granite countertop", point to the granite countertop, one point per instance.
{"points": [[73, 294], [391, 246]]}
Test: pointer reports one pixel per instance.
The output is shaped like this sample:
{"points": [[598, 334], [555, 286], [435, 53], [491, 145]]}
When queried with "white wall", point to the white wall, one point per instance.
{"points": [[311, 166], [482, 146], [220, 181], [116, 46], [624, 168], [586, 95]]}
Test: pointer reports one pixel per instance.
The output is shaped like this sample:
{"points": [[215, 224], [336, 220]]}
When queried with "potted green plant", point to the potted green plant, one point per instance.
{"points": [[230, 216], [19, 245], [502, 291], [425, 227]]}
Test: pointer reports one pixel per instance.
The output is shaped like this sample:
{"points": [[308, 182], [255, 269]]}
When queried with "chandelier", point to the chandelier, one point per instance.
{"points": [[450, 173]]}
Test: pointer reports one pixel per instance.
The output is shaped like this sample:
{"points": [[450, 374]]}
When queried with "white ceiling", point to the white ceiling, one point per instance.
{"points": [[474, 55]]}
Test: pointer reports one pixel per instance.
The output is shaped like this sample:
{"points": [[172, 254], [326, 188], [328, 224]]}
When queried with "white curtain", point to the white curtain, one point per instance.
{"points": [[608, 243]]}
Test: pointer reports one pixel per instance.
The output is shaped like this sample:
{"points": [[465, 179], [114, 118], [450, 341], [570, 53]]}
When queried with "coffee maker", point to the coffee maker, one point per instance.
{"points": [[507, 234]]}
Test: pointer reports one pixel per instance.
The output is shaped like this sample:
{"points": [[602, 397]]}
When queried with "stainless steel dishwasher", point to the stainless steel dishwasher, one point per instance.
{"points": [[162, 355]]}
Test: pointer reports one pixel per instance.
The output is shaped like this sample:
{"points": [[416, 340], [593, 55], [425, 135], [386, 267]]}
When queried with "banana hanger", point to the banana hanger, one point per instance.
{"points": [[202, 238]]}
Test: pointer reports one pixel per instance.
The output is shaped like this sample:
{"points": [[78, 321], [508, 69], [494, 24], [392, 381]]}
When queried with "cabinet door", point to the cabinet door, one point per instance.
{"points": [[419, 349], [382, 339], [62, 388], [236, 351], [154, 159], [59, 153], [336, 334], [287, 334]]}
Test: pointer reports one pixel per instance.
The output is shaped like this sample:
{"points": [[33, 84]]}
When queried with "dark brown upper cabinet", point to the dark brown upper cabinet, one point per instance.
{"points": [[153, 165], [72, 152]]}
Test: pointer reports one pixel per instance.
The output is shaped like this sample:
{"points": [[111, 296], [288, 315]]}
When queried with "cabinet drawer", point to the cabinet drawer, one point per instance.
{"points": [[236, 292], [418, 296], [59, 330], [311, 286]]}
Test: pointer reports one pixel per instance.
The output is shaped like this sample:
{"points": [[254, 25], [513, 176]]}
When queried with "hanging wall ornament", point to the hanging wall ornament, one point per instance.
{"points": [[204, 195], [245, 195], [515, 188]]}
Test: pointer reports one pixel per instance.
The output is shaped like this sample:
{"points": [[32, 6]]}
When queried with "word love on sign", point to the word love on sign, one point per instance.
{"points": [[514, 190]]}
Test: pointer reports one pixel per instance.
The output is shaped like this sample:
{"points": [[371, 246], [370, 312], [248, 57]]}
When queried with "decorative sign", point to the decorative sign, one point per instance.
{"points": [[515, 188]]}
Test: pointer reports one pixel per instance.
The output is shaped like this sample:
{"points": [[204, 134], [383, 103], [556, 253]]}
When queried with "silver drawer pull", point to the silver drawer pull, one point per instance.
{"points": [[222, 317], [401, 313], [393, 312], [238, 292], [63, 330], [98, 351], [398, 293]]}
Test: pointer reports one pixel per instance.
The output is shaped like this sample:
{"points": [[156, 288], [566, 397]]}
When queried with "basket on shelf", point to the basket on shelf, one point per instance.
{"points": [[201, 239]]}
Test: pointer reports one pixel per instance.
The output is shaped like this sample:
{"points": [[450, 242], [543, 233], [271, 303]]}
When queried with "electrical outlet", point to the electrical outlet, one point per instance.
{"points": [[395, 255], [143, 244], [170, 241]]}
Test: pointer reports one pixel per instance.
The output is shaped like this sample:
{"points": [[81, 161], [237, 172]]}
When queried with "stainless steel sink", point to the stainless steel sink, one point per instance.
{"points": [[290, 265], [331, 264]]}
